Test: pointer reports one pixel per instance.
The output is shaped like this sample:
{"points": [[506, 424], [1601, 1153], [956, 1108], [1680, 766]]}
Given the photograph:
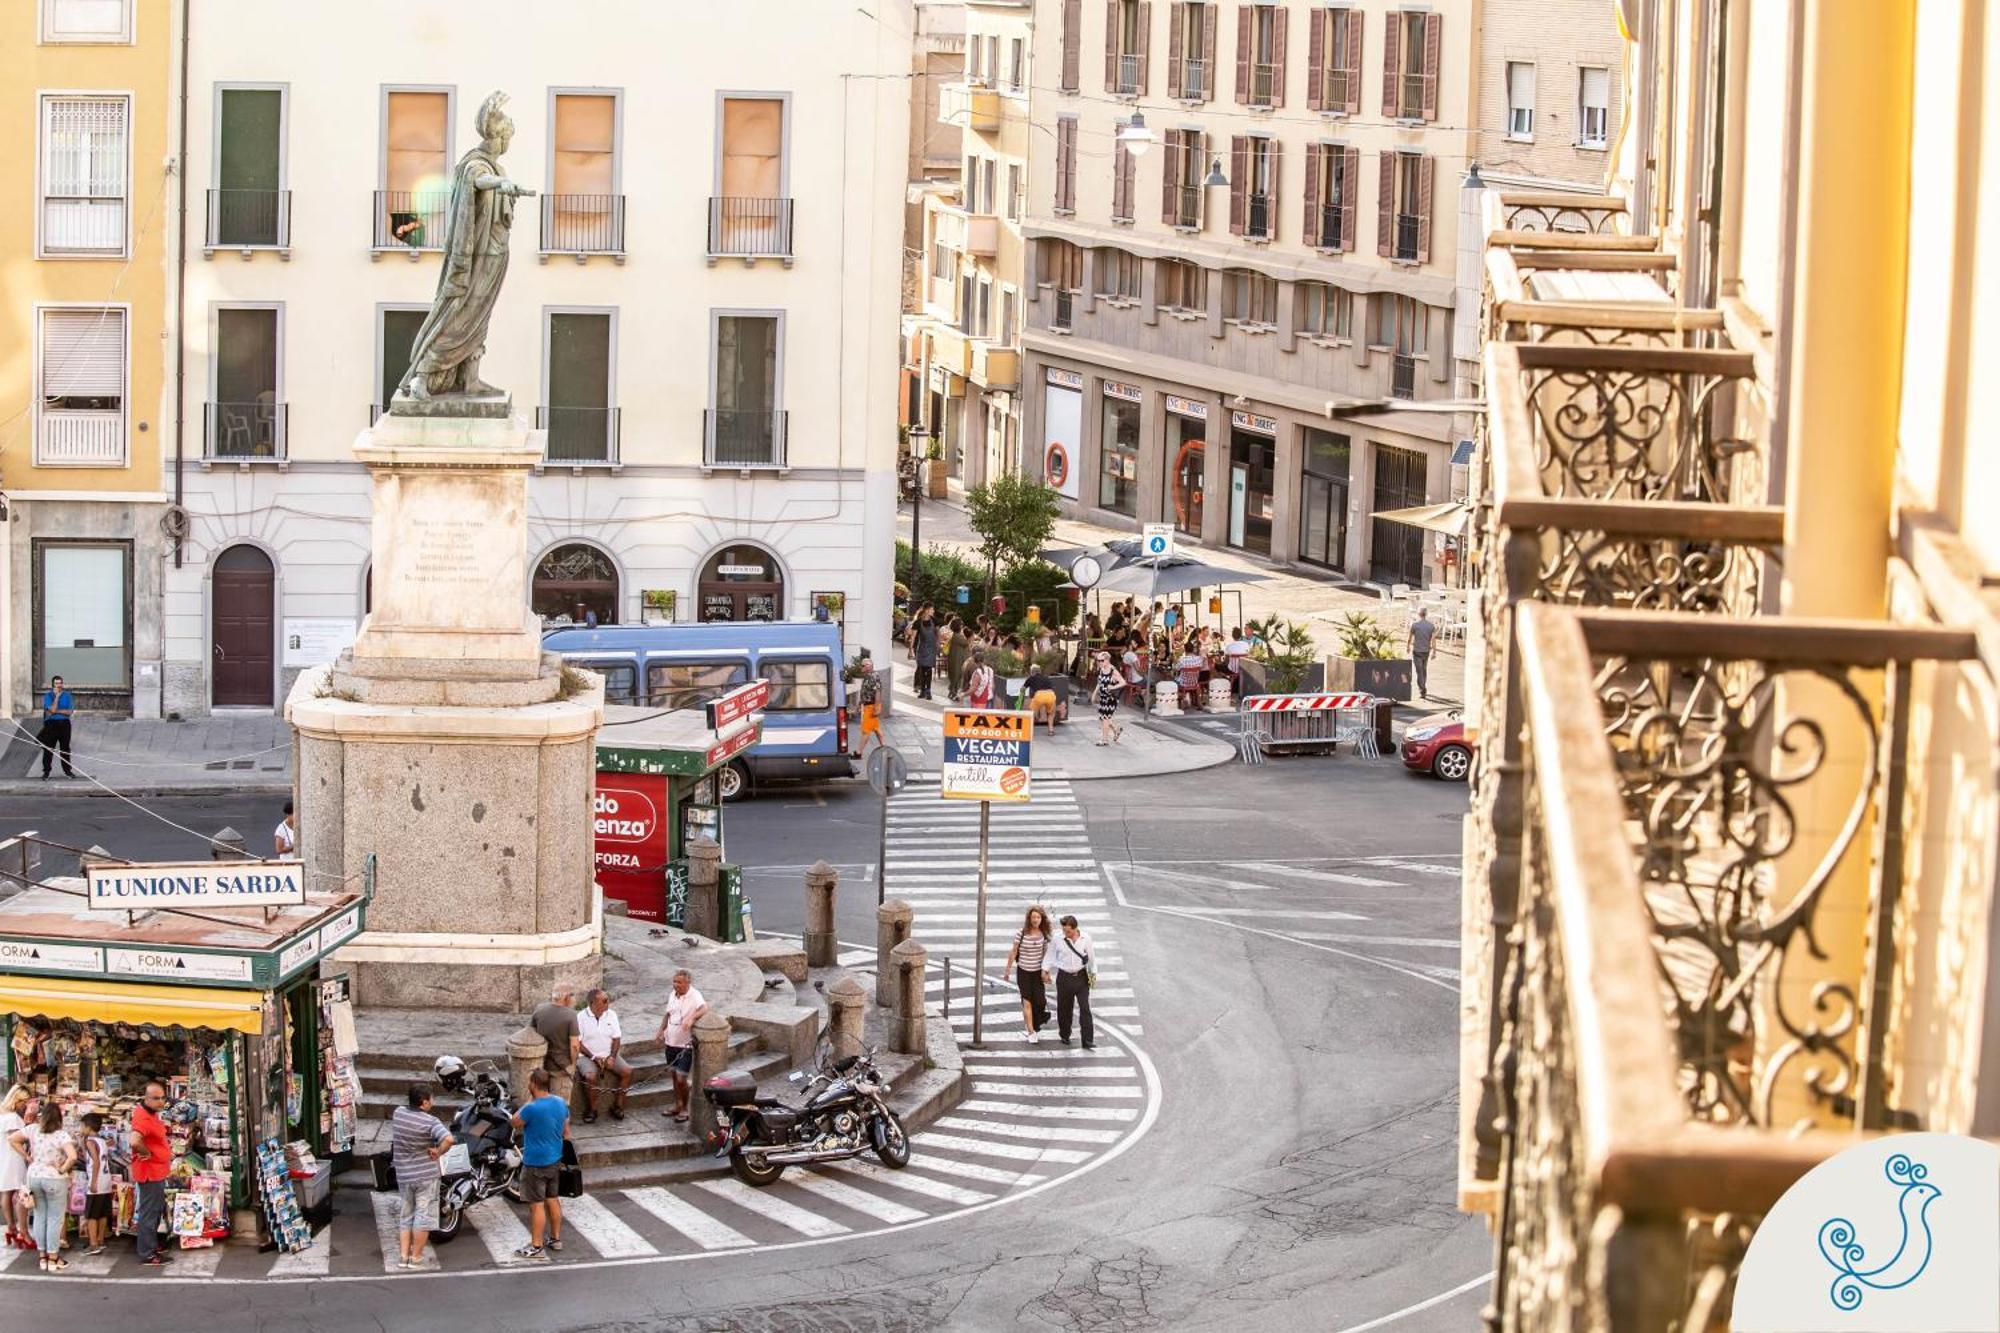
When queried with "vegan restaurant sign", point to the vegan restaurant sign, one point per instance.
{"points": [[145, 888], [986, 755]]}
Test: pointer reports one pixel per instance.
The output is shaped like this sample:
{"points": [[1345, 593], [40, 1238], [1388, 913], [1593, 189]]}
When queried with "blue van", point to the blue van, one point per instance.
{"points": [[684, 666]]}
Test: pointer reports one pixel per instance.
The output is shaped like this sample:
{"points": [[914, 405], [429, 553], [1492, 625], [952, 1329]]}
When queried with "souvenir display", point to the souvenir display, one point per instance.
{"points": [[287, 1224]]}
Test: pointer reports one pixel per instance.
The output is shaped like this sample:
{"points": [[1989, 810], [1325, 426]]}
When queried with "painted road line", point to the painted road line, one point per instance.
{"points": [[608, 1233], [1321, 876], [877, 1174], [1048, 1133], [499, 1230], [86, 1265], [9, 1256], [1404, 941], [947, 1166], [315, 1258], [687, 1219], [1054, 1090], [1268, 911], [1421, 867], [1011, 1151], [856, 956], [767, 1205], [976, 1060], [860, 1201], [984, 1071], [388, 1211]]}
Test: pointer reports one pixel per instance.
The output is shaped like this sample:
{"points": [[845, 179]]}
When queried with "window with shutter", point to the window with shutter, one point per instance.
{"points": [[1334, 65], [1315, 206], [1171, 150], [1072, 46], [84, 152], [1385, 204], [1593, 121], [1176, 47], [1520, 99], [81, 406], [1013, 191], [751, 214], [1349, 24], [1122, 178], [1239, 182], [1427, 77], [1261, 221], [1349, 194], [1246, 16], [1066, 164], [1260, 55], [87, 21], [1392, 65], [1426, 170]]}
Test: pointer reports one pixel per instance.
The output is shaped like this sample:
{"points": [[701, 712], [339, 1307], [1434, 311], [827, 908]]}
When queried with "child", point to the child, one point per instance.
{"points": [[98, 1184]]}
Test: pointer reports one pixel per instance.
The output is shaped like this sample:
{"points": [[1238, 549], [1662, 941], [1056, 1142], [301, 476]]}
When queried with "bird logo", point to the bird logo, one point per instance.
{"points": [[1838, 1246]]}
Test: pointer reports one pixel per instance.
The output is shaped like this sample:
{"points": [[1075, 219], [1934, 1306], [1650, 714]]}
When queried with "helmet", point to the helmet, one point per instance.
{"points": [[450, 1071]]}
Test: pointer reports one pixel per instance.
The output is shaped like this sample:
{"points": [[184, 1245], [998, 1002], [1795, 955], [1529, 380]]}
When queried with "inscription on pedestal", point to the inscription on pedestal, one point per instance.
{"points": [[444, 552]]}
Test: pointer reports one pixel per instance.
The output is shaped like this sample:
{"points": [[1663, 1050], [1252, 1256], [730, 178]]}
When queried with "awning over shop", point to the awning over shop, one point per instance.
{"points": [[119, 1002]]}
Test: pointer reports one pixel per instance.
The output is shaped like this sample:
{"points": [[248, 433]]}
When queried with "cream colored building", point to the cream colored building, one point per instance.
{"points": [[1551, 93], [713, 249], [937, 57], [1281, 240], [85, 406], [965, 348]]}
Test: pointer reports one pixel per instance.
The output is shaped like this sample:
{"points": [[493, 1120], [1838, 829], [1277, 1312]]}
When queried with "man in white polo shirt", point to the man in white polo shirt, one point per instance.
{"points": [[599, 1036], [684, 1009]]}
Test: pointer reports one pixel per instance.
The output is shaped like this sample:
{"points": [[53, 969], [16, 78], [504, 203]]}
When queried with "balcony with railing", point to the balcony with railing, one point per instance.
{"points": [[967, 106], [1335, 85], [1194, 80], [1332, 219], [1562, 211], [579, 436], [248, 220], [583, 225], [1408, 235], [80, 437], [1265, 80], [243, 432], [749, 229], [744, 439], [1260, 217], [1188, 200], [412, 220], [1129, 69]]}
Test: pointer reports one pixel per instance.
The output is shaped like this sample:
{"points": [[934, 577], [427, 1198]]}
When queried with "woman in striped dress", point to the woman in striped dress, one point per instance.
{"points": [[1028, 960]]}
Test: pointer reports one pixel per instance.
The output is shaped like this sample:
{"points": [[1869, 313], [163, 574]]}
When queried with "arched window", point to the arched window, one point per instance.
{"points": [[574, 584], [742, 582]]}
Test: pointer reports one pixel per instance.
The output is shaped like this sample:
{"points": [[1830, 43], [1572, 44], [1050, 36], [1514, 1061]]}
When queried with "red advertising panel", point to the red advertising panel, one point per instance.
{"points": [[630, 816]]}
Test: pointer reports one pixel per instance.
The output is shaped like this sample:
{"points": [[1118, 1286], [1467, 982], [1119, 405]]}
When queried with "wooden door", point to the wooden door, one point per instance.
{"points": [[241, 607]]}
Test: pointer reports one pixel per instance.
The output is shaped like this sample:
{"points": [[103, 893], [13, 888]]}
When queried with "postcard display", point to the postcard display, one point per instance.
{"points": [[103, 1067]]}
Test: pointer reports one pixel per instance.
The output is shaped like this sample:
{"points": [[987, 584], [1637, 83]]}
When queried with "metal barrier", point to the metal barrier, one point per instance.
{"points": [[1302, 721]]}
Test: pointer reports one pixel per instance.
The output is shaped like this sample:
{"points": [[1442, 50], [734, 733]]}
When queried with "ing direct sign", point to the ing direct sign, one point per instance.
{"points": [[986, 755]]}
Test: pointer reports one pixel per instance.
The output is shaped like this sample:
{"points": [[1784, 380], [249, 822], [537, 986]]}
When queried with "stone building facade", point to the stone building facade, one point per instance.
{"points": [[1551, 93], [1243, 218]]}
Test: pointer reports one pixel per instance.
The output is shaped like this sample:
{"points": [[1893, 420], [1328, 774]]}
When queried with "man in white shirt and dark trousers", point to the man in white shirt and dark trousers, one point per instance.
{"points": [[600, 1038], [1075, 970]]}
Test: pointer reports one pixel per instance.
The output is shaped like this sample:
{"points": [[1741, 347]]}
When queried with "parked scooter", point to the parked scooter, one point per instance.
{"points": [[485, 1156], [846, 1113]]}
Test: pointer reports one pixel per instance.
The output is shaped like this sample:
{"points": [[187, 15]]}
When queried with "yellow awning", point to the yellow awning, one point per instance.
{"points": [[123, 1002]]}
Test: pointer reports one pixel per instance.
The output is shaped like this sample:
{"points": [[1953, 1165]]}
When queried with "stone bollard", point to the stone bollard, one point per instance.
{"points": [[908, 959], [892, 926], [711, 1057], [227, 845], [525, 1050], [821, 946], [845, 1000], [704, 901]]}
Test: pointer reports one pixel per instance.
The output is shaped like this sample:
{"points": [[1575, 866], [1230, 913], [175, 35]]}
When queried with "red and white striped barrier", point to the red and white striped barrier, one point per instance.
{"points": [[1304, 703]]}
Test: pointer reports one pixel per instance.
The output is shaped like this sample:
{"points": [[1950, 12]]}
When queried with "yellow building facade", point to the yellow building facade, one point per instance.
{"points": [[86, 411]]}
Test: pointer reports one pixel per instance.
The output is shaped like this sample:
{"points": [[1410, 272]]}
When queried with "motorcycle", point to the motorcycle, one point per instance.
{"points": [[485, 1156], [845, 1113]]}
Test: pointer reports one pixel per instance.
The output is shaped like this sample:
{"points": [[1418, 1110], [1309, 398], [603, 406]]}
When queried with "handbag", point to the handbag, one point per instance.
{"points": [[569, 1175]]}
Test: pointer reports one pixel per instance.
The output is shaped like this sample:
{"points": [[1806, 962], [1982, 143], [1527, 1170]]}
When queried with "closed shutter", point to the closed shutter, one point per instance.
{"points": [[1066, 162], [1392, 64], [1121, 159], [1129, 182], [1239, 182], [1271, 191], [83, 354], [1354, 19], [586, 132], [1350, 195], [1170, 177], [1110, 46], [1425, 168], [1145, 51], [1210, 53], [1246, 15], [1072, 45], [1314, 153], [1278, 17], [1175, 50], [1433, 55], [1318, 19], [1385, 211], [418, 124]]}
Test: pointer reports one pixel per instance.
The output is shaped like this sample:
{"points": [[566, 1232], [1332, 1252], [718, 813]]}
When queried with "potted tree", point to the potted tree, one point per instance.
{"points": [[1367, 661], [1284, 660]]}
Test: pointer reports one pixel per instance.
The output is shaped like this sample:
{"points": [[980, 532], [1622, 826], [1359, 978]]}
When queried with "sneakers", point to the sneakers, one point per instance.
{"points": [[556, 1245], [406, 1263], [1034, 1036], [529, 1252]]}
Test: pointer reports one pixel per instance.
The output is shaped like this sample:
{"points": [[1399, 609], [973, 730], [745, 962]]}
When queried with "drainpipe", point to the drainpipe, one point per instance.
{"points": [[179, 528]]}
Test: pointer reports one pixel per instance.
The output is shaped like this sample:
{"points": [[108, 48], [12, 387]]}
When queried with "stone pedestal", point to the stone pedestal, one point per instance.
{"points": [[448, 746]]}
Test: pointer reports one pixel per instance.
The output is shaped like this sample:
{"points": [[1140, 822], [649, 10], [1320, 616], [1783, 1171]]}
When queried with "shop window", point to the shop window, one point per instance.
{"points": [[1118, 478], [798, 686], [85, 614], [575, 583]]}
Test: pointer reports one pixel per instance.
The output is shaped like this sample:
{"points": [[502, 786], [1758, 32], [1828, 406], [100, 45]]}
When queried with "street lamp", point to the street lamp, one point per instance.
{"points": [[1216, 180], [918, 434], [1135, 137]]}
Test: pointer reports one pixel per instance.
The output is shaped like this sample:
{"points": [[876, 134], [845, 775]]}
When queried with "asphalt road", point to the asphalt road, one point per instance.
{"points": [[1288, 931]]}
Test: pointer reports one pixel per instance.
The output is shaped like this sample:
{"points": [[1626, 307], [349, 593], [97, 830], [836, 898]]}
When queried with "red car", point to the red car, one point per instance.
{"points": [[1437, 745]]}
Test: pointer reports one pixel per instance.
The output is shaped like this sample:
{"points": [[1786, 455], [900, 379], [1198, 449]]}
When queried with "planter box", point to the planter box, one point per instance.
{"points": [[1386, 678], [1257, 679], [936, 480]]}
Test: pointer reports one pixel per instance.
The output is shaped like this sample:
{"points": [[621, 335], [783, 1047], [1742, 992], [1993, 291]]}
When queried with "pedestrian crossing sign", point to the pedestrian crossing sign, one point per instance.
{"points": [[986, 755]]}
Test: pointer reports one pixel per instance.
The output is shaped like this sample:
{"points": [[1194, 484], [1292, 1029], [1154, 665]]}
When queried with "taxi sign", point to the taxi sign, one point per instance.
{"points": [[986, 755]]}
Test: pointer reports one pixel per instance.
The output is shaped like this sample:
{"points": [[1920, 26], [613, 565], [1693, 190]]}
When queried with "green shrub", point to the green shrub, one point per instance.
{"points": [[1287, 651], [939, 574], [1363, 638]]}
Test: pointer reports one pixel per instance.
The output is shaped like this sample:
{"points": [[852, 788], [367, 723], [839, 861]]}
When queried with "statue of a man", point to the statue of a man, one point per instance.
{"points": [[444, 360]]}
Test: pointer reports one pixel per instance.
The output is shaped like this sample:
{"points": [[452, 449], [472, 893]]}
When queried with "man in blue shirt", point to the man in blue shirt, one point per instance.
{"points": [[57, 706], [544, 1124]]}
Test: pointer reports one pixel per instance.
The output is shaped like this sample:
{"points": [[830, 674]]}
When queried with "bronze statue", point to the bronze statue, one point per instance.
{"points": [[444, 360]]}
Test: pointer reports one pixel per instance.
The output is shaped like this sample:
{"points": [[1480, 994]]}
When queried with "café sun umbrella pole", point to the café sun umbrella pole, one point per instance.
{"points": [[979, 940]]}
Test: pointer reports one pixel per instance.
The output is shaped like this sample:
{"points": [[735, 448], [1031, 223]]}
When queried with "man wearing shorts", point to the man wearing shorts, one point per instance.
{"points": [[555, 1019], [544, 1124], [416, 1141], [684, 1008], [871, 705]]}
